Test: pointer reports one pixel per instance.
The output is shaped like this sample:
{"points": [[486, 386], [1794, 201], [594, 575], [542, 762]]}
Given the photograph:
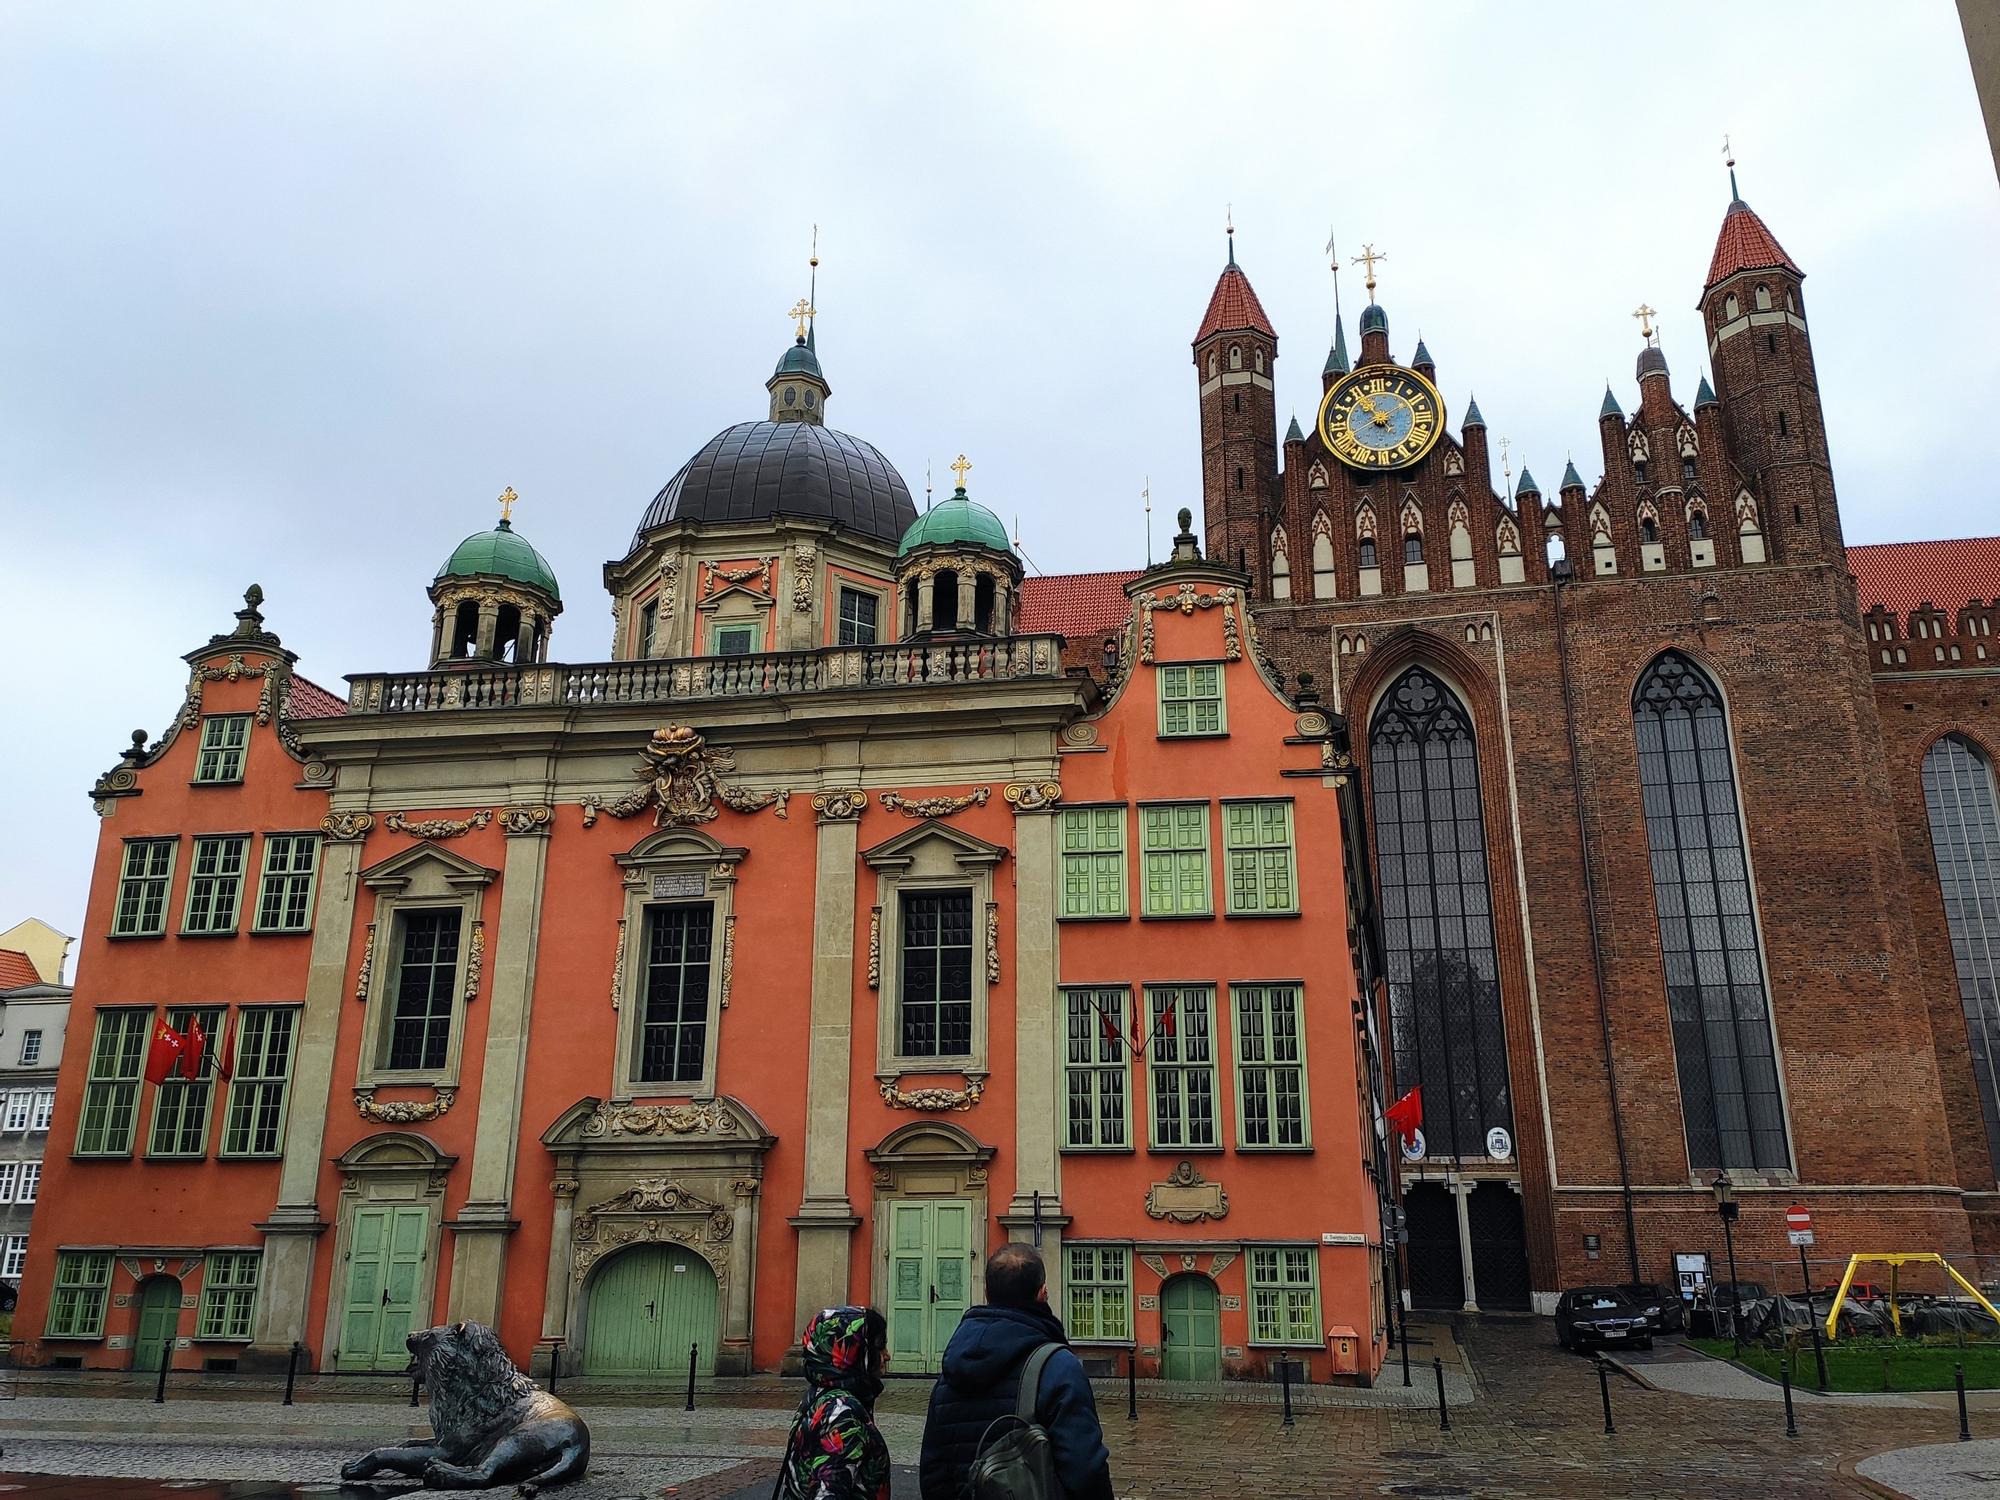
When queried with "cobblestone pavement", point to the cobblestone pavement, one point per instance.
{"points": [[1534, 1429]]}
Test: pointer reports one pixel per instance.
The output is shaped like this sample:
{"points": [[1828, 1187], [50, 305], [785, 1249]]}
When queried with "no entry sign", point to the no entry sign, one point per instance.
{"points": [[1798, 1225]]}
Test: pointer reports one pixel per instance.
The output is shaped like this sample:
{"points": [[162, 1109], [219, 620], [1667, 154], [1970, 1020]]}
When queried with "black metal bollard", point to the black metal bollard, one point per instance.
{"points": [[1785, 1380], [1285, 1379], [555, 1366], [292, 1370], [160, 1387], [1444, 1412], [694, 1352], [1604, 1392], [1958, 1379], [1132, 1385], [416, 1381]]}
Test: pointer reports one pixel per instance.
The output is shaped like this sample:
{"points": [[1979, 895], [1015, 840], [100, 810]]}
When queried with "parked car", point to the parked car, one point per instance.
{"points": [[1600, 1315], [1860, 1291], [9, 1294], [1723, 1296], [1662, 1305]]}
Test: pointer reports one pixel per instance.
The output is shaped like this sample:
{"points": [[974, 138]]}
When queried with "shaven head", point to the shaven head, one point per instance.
{"points": [[1015, 1276]]}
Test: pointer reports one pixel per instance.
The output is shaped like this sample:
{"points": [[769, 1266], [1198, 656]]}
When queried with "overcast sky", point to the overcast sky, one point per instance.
{"points": [[289, 293]]}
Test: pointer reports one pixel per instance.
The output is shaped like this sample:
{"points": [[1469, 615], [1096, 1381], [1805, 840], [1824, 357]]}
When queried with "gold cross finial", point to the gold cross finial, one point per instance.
{"points": [[1645, 315], [961, 466], [507, 499], [1368, 256], [801, 309]]}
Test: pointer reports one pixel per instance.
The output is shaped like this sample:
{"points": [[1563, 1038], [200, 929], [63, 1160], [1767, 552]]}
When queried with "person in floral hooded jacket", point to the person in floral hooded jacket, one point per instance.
{"points": [[835, 1452]]}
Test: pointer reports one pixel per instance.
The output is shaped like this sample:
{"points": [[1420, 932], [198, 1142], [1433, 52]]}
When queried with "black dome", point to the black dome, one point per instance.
{"points": [[756, 470]]}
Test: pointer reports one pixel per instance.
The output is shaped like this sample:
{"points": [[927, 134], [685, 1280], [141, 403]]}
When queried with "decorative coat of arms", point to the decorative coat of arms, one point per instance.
{"points": [[683, 775]]}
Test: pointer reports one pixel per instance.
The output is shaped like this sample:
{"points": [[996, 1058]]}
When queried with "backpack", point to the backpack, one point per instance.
{"points": [[1018, 1463]]}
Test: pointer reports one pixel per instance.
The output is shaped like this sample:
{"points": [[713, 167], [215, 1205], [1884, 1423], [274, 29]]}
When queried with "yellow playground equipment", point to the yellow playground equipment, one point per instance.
{"points": [[1895, 1263]]}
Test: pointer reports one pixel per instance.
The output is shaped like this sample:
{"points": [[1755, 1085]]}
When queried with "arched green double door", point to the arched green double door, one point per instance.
{"points": [[648, 1306], [1190, 1329]]}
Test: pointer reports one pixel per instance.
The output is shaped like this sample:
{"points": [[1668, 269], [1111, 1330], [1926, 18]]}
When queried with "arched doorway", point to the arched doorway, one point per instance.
{"points": [[647, 1307], [1437, 1270], [159, 1303], [1190, 1329]]}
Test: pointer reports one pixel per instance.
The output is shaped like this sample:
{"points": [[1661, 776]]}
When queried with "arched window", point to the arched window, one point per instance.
{"points": [[1965, 834], [1730, 306], [1367, 552], [1716, 996], [1698, 524], [1437, 915], [1649, 529], [1413, 548], [1763, 298], [1235, 356]]}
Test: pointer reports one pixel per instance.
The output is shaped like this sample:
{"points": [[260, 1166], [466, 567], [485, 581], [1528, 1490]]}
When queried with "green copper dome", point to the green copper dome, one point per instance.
{"points": [[956, 522], [801, 359], [501, 551]]}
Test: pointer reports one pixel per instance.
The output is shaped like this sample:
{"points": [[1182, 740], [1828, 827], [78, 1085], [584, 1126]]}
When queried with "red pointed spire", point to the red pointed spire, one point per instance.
{"points": [[1234, 306], [1746, 245]]}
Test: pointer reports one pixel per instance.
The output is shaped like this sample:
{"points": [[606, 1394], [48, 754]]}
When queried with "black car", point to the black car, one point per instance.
{"points": [[1662, 1305], [1601, 1315], [9, 1294]]}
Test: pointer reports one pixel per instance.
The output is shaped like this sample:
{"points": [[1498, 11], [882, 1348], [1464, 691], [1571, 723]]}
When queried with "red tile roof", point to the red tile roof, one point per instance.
{"points": [[16, 971], [1746, 245], [1899, 576], [1234, 306], [309, 700], [1076, 604]]}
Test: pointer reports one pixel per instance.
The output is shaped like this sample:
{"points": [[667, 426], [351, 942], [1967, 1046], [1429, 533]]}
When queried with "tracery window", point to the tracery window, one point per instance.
{"points": [[1716, 994], [1965, 833], [1437, 915]]}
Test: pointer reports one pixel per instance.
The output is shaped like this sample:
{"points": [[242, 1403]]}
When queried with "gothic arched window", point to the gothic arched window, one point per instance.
{"points": [[1716, 995], [1965, 834], [1437, 915]]}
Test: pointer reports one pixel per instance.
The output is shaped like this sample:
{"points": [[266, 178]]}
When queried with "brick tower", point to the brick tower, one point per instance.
{"points": [[1235, 352]]}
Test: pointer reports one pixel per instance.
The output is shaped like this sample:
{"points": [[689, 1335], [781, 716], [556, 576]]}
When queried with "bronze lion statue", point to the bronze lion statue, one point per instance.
{"points": [[490, 1424]]}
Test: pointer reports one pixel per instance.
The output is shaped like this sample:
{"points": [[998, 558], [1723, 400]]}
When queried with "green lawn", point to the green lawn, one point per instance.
{"points": [[1875, 1364]]}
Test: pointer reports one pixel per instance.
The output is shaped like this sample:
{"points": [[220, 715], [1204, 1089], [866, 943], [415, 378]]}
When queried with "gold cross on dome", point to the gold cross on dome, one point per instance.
{"points": [[802, 309], [507, 499], [961, 466], [1645, 315], [1368, 256]]}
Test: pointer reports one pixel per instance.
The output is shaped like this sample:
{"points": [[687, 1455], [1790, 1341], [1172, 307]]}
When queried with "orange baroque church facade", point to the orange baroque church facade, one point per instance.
{"points": [[829, 935]]}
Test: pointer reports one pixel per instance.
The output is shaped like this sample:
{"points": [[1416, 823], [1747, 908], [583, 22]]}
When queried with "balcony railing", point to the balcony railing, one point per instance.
{"points": [[911, 664]]}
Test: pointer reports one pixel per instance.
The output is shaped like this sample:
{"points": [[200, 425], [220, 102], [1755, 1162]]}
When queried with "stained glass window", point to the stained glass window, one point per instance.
{"points": [[1965, 833]]}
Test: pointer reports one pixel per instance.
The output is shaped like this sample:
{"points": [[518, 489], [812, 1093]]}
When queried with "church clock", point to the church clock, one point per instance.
{"points": [[1381, 417]]}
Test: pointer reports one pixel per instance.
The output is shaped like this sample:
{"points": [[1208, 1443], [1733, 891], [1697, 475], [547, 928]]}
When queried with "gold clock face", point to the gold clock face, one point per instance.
{"points": [[1381, 417]]}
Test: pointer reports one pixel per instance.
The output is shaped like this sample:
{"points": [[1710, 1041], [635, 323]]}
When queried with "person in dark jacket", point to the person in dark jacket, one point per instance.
{"points": [[982, 1381]]}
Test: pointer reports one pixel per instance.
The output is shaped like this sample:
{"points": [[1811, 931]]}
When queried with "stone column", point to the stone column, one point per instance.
{"points": [[489, 628], [733, 1357], [926, 598], [524, 641], [295, 1225], [555, 1288], [968, 593], [1461, 1192], [479, 1255], [826, 1220], [438, 641], [1038, 1041]]}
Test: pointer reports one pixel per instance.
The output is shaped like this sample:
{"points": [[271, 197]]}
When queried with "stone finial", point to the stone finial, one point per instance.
{"points": [[137, 752], [1186, 548]]}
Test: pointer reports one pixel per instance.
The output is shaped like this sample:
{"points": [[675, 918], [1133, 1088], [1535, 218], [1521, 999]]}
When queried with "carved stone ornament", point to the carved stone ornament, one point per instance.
{"points": [[1186, 1197], [346, 827], [935, 807], [672, 1215], [802, 577], [682, 773], [737, 577], [367, 965], [518, 822], [1080, 734], [475, 961], [992, 942], [618, 969], [874, 947], [404, 1111], [933, 1101], [660, 1119], [565, 1187], [1312, 724], [839, 806], [728, 957], [654, 1195], [436, 828], [1223, 1260], [1154, 1263], [1032, 796], [1187, 600]]}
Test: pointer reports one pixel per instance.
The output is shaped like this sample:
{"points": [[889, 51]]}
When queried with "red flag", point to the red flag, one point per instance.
{"points": [[1407, 1114], [195, 1048], [1166, 1023], [225, 1055], [1111, 1036], [163, 1055]]}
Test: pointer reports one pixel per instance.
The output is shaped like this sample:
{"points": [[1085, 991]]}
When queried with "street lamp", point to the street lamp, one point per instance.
{"points": [[1726, 1208]]}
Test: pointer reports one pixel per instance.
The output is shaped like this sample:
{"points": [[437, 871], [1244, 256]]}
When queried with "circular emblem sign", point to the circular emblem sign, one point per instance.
{"points": [[1499, 1144], [1413, 1146]]}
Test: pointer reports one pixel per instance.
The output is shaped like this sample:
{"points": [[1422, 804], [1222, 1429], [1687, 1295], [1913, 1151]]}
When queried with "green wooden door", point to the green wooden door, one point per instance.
{"points": [[159, 1321], [386, 1254], [930, 1280], [648, 1306], [1191, 1329]]}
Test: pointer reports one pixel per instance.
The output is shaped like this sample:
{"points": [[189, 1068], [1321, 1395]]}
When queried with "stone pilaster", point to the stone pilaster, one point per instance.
{"points": [[555, 1287], [1037, 1039]]}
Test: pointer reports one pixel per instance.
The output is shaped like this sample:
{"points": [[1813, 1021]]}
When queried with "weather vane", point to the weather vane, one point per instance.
{"points": [[507, 499], [1645, 315], [1368, 256], [961, 466]]}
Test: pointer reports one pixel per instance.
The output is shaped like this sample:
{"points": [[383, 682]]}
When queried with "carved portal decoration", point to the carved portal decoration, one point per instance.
{"points": [[708, 1118], [517, 822], [682, 774], [652, 1211], [1032, 796], [1155, 1263], [1223, 1260], [1187, 599], [405, 1111], [839, 806], [935, 807], [1186, 1197], [436, 828], [935, 1101], [346, 827]]}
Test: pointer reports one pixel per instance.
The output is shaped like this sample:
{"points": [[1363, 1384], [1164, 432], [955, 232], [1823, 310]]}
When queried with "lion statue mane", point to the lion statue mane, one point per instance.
{"points": [[490, 1424]]}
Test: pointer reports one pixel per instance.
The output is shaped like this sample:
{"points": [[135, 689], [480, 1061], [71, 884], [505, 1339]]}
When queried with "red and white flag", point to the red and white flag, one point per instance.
{"points": [[163, 1053], [194, 1049]]}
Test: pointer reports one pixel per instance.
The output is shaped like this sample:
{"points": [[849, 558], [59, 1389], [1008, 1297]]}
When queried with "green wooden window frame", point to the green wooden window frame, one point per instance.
{"points": [[76, 1303], [1181, 1066], [215, 884], [111, 1092], [180, 1106], [143, 886], [720, 634], [1173, 844], [1263, 869], [228, 1295], [1284, 1296], [860, 617], [1099, 1291], [1191, 701], [285, 887], [1093, 862], [254, 1122], [225, 740], [1271, 1109], [1097, 1069]]}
